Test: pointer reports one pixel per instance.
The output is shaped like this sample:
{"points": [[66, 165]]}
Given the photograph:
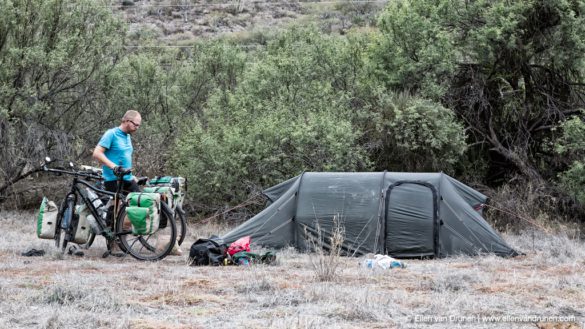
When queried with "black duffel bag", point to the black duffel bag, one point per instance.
{"points": [[210, 251]]}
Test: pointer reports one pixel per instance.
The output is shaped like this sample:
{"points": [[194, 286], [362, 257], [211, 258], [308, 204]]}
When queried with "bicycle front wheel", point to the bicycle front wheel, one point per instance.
{"points": [[150, 247], [64, 224]]}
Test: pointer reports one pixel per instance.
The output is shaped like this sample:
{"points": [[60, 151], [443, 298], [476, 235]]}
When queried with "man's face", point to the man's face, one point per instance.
{"points": [[133, 124]]}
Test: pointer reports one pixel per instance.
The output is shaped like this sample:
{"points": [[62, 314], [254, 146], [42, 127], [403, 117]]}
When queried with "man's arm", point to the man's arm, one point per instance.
{"points": [[99, 154]]}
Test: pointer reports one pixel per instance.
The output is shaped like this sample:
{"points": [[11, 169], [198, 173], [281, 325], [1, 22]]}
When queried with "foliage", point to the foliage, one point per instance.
{"points": [[415, 51], [283, 117], [414, 134], [213, 66], [571, 146], [53, 54], [511, 71]]}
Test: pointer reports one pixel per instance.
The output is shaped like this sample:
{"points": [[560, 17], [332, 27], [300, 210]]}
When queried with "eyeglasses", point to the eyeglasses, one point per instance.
{"points": [[134, 123]]}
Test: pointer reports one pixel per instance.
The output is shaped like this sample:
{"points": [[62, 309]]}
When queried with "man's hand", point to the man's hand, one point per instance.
{"points": [[119, 170]]}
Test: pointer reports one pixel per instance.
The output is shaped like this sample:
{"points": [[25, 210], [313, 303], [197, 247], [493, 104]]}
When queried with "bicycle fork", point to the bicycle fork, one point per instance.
{"points": [[66, 223]]}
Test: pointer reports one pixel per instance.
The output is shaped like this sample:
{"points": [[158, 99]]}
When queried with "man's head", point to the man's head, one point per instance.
{"points": [[131, 121]]}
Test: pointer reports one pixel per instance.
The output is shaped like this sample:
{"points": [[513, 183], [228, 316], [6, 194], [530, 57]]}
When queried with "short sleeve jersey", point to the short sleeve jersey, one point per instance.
{"points": [[118, 145]]}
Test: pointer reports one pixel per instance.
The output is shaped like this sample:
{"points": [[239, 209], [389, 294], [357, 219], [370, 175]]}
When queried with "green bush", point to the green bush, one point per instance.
{"points": [[54, 57], [511, 71], [282, 118], [571, 146], [415, 51], [413, 134]]}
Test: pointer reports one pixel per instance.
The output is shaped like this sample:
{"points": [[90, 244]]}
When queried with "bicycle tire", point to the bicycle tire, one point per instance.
{"points": [[57, 237], [181, 225], [150, 247], [63, 234]]}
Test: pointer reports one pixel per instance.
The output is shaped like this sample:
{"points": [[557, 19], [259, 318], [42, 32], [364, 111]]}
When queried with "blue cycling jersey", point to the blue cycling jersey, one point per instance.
{"points": [[118, 145]]}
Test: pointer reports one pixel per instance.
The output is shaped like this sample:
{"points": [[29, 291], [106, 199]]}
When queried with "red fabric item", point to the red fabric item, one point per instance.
{"points": [[241, 244]]}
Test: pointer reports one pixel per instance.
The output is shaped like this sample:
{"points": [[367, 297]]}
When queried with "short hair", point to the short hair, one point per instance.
{"points": [[130, 115]]}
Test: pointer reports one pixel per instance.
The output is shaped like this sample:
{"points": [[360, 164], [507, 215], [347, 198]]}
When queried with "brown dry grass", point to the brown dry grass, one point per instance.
{"points": [[55, 291]]}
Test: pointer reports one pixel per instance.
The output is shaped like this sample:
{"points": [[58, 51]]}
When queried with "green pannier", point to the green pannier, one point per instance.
{"points": [[83, 230], [143, 211], [167, 194], [47, 219], [179, 184]]}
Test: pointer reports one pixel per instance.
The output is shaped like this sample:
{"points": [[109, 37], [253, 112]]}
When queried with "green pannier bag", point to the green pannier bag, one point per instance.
{"points": [[143, 212], [179, 184], [47, 219], [167, 194]]}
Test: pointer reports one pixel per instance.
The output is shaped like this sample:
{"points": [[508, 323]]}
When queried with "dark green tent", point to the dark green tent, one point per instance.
{"points": [[399, 214]]}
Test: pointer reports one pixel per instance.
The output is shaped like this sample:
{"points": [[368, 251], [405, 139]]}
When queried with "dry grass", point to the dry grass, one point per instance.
{"points": [[326, 250], [90, 292]]}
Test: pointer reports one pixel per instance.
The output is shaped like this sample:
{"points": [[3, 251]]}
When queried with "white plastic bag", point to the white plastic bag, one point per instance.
{"points": [[383, 261]]}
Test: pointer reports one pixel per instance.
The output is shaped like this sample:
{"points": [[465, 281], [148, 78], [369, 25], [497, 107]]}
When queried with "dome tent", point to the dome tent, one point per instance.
{"points": [[400, 214]]}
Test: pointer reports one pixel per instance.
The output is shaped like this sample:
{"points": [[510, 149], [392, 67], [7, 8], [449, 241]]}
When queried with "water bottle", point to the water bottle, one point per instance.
{"points": [[95, 200]]}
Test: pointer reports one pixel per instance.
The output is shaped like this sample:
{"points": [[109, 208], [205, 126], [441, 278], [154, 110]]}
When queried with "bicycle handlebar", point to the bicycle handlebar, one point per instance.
{"points": [[85, 174], [72, 172], [90, 174]]}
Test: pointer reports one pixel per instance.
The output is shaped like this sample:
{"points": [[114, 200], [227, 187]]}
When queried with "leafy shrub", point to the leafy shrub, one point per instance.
{"points": [[511, 72], [572, 146], [234, 156], [283, 117], [408, 133], [54, 58]]}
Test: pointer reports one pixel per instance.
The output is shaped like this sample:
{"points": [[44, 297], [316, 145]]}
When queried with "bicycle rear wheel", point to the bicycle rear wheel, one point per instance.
{"points": [[151, 247]]}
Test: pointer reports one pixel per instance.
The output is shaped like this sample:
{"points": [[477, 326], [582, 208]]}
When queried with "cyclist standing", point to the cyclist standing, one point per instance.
{"points": [[114, 152]]}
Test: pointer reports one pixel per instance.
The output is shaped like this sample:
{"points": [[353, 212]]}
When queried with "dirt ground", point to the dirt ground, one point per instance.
{"points": [[543, 289]]}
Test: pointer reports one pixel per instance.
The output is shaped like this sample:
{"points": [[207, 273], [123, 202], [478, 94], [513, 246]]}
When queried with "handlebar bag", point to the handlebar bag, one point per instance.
{"points": [[47, 219], [143, 211], [82, 229]]}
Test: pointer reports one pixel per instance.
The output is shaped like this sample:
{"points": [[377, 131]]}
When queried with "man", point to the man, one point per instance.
{"points": [[114, 151]]}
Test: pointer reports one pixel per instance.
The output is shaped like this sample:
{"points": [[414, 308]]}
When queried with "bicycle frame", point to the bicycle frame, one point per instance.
{"points": [[76, 190]]}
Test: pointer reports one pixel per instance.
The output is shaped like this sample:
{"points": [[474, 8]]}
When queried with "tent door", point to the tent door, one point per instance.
{"points": [[411, 216]]}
